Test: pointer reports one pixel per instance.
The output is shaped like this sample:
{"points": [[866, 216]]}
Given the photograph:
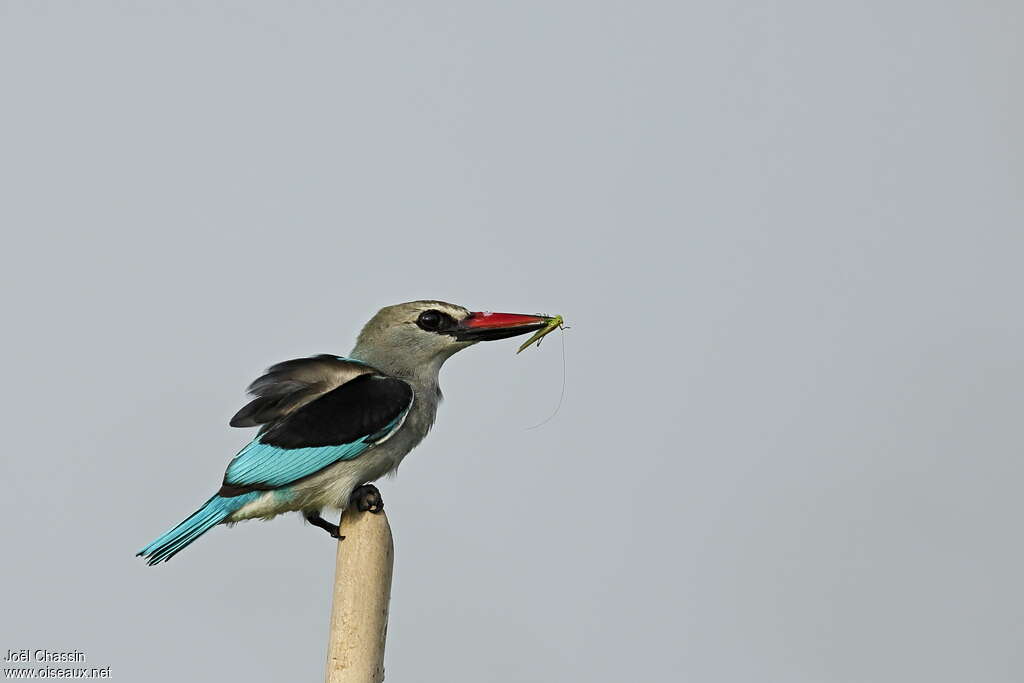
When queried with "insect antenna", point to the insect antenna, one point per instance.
{"points": [[561, 395]]}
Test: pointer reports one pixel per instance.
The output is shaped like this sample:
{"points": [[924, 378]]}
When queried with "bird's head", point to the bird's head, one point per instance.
{"points": [[423, 334]]}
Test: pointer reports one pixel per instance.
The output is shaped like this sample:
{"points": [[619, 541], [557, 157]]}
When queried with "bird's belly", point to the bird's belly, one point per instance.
{"points": [[329, 488], [332, 486]]}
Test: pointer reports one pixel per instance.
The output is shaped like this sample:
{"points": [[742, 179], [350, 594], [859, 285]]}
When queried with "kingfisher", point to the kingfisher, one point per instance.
{"points": [[330, 425]]}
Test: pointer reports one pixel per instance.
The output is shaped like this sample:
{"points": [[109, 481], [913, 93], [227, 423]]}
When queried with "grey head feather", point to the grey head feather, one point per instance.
{"points": [[393, 342]]}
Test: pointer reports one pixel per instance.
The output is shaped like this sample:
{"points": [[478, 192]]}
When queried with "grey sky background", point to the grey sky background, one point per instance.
{"points": [[788, 239]]}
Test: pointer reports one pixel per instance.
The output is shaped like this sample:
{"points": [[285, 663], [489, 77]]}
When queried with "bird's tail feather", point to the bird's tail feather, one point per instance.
{"points": [[212, 513]]}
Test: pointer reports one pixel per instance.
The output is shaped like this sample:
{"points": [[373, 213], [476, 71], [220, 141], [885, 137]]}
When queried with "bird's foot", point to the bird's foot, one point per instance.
{"points": [[367, 498], [315, 519]]}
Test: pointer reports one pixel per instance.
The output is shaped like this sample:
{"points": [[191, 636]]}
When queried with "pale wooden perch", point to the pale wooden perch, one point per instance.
{"points": [[362, 590]]}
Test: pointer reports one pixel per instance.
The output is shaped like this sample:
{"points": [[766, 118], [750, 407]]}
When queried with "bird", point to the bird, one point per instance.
{"points": [[331, 425]]}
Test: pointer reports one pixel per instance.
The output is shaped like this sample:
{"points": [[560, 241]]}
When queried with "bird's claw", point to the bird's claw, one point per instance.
{"points": [[368, 499], [332, 530]]}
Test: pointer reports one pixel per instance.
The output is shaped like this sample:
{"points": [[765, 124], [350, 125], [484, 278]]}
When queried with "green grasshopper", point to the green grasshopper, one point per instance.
{"points": [[555, 323]]}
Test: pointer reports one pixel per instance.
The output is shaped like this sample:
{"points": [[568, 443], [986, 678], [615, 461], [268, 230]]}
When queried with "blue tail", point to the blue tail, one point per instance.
{"points": [[215, 511]]}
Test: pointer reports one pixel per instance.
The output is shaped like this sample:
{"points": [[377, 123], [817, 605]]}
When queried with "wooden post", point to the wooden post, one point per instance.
{"points": [[362, 590]]}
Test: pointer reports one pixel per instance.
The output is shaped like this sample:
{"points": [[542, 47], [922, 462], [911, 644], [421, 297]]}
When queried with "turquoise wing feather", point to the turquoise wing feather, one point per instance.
{"points": [[265, 466]]}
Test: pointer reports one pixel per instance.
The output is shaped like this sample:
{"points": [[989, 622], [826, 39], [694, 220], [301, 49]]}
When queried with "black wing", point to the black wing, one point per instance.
{"points": [[340, 425], [366, 407], [288, 386]]}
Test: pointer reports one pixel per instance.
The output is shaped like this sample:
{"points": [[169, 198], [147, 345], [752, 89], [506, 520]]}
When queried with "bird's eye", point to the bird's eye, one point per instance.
{"points": [[432, 320]]}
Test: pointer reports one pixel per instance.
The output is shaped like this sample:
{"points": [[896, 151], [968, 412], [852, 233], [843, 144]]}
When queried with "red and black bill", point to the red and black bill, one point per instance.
{"points": [[486, 326]]}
